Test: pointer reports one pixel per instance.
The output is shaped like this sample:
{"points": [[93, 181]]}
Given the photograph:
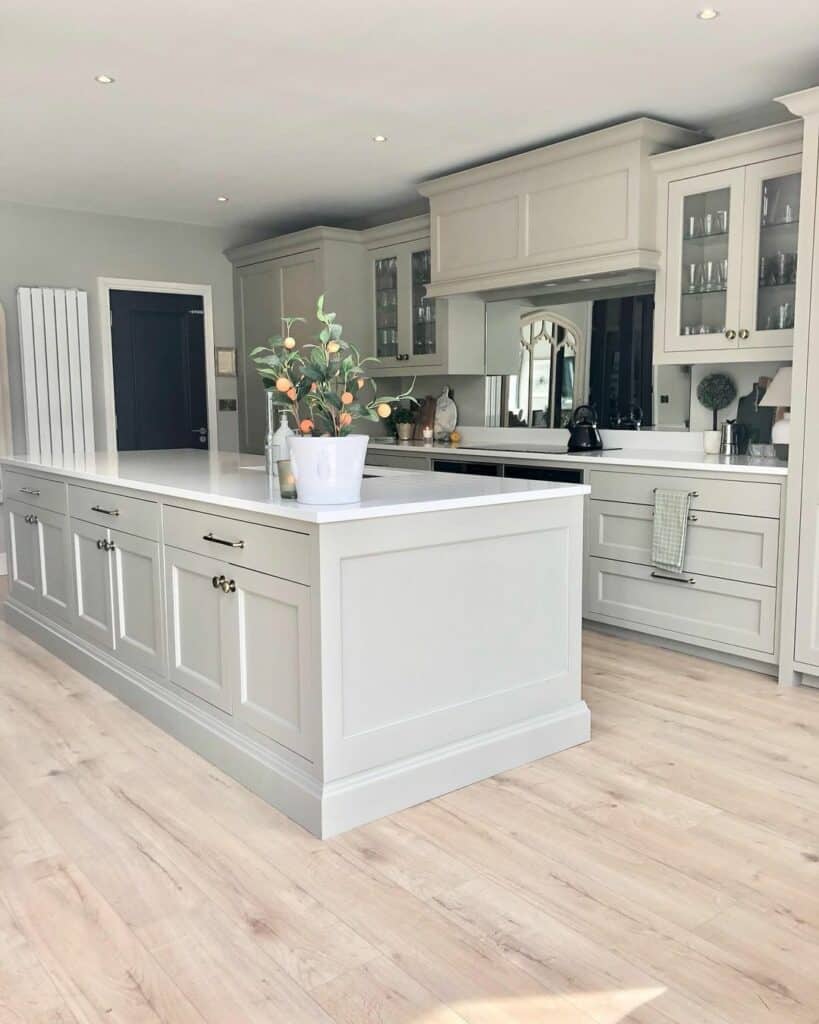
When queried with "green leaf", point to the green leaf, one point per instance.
{"points": [[335, 330]]}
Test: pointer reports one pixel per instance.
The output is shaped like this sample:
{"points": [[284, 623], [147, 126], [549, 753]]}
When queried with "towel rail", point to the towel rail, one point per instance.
{"points": [[691, 494]]}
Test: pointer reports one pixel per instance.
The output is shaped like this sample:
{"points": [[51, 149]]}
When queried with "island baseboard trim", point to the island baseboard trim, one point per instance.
{"points": [[272, 778], [365, 796]]}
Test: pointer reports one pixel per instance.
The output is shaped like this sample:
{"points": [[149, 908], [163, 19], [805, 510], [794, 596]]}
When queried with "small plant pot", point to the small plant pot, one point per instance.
{"points": [[405, 431], [711, 442], [328, 470]]}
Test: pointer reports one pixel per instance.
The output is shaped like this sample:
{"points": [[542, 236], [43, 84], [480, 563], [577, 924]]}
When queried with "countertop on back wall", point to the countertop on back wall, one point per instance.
{"points": [[693, 460]]}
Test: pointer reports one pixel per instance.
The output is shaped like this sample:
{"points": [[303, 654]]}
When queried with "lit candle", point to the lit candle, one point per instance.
{"points": [[287, 482]]}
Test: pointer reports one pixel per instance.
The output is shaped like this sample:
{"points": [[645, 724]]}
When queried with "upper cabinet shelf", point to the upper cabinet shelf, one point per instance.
{"points": [[728, 225], [581, 207]]}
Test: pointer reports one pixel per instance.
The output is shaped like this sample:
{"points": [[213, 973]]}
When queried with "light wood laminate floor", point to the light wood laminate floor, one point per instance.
{"points": [[668, 871]]}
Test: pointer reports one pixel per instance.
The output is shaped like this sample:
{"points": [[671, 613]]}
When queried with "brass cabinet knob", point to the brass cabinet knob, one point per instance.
{"points": [[744, 334], [730, 335], [100, 545], [228, 586], [218, 581]]}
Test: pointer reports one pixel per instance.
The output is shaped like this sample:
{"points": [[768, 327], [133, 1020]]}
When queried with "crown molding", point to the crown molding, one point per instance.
{"points": [[789, 133], [803, 103]]}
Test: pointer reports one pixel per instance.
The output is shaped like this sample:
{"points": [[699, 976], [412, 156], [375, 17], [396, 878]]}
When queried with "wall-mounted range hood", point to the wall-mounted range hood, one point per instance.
{"points": [[573, 213]]}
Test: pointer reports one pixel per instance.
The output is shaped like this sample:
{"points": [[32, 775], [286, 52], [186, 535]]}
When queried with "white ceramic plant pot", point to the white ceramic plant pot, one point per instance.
{"points": [[711, 442], [328, 470]]}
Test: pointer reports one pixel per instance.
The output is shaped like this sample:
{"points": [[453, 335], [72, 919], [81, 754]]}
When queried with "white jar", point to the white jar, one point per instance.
{"points": [[711, 441]]}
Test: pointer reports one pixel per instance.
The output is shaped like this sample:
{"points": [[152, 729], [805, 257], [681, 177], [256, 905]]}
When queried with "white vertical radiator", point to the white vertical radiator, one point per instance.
{"points": [[55, 358]]}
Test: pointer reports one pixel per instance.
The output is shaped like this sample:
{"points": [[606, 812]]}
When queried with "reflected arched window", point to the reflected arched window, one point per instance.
{"points": [[542, 395]]}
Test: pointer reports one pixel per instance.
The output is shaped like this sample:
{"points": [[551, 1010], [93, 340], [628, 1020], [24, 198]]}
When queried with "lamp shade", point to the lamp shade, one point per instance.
{"points": [[779, 390]]}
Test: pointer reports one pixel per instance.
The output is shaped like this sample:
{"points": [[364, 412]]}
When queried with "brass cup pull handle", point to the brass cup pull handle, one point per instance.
{"points": [[218, 581], [105, 511], [730, 335], [673, 579], [744, 333], [30, 490], [226, 543]]}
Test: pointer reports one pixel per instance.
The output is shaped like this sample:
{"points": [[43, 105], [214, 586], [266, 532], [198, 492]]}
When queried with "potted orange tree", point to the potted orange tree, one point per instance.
{"points": [[326, 387]]}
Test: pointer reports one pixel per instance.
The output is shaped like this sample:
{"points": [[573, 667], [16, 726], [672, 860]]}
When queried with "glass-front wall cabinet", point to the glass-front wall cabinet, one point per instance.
{"points": [[773, 192], [404, 318], [731, 270]]}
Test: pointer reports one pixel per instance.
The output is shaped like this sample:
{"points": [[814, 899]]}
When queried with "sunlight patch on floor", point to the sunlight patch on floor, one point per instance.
{"points": [[607, 1006]]}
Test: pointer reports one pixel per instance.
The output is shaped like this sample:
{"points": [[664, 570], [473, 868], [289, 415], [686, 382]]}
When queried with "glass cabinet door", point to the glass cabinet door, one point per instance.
{"points": [[703, 286], [771, 235], [386, 307], [424, 342]]}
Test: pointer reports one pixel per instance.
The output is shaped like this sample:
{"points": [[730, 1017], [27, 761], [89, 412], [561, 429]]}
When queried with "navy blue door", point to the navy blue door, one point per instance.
{"points": [[158, 344]]}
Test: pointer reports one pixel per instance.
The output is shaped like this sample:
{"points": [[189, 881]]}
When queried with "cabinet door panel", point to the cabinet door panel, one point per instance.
{"points": [[94, 613], [55, 565], [703, 280], [270, 656], [197, 623], [138, 618], [24, 574], [770, 234]]}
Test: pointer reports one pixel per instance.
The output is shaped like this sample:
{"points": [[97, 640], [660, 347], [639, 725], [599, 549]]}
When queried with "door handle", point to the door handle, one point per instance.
{"points": [[219, 540], [30, 490], [673, 579], [32, 520], [730, 335], [744, 333], [218, 581], [228, 586], [105, 511]]}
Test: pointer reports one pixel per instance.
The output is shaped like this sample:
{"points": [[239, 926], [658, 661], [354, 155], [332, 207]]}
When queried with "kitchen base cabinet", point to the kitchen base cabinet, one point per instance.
{"points": [[93, 603], [281, 631], [269, 656], [139, 630], [39, 570], [24, 573], [199, 624]]}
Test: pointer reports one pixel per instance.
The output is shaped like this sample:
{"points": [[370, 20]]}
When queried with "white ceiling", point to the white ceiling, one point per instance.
{"points": [[275, 103]]}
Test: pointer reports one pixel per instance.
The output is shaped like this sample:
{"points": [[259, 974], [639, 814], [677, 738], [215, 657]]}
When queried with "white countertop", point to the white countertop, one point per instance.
{"points": [[240, 482], [696, 461]]}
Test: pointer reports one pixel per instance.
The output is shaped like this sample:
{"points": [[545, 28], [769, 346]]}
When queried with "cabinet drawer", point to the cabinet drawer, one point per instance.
{"points": [[281, 553], [737, 496], [34, 490], [118, 511], [721, 611], [732, 547]]}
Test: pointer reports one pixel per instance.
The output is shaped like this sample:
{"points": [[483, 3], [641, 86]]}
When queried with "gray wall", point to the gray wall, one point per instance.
{"points": [[60, 248]]}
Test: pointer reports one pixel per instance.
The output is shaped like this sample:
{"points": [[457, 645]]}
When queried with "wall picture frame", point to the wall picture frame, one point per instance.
{"points": [[225, 362]]}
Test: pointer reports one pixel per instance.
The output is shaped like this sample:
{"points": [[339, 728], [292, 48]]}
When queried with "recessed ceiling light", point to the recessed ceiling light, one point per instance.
{"points": [[223, 199], [379, 138], [104, 79], [585, 280], [708, 14]]}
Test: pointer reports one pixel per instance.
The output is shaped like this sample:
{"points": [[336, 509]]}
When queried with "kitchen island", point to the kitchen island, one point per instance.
{"points": [[343, 662]]}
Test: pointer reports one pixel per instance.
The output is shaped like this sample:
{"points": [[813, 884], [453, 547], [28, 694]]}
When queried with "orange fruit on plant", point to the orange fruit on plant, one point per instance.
{"points": [[333, 347], [361, 382], [291, 394], [346, 398], [306, 426], [345, 419], [283, 384], [289, 342], [383, 410]]}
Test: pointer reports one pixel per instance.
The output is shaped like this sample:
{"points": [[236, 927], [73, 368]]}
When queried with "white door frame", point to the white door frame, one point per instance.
{"points": [[105, 285]]}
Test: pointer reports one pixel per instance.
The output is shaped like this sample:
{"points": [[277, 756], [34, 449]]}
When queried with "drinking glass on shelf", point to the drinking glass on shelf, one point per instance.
{"points": [[721, 222], [712, 276], [694, 226], [693, 277]]}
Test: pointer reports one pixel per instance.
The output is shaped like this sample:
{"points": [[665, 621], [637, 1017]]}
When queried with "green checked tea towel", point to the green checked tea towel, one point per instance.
{"points": [[671, 510]]}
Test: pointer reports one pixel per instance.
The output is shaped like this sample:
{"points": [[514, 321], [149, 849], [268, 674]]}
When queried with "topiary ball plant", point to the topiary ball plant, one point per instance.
{"points": [[715, 392]]}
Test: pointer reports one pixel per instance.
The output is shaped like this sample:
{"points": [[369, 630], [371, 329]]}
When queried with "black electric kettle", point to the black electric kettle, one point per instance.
{"points": [[583, 433]]}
